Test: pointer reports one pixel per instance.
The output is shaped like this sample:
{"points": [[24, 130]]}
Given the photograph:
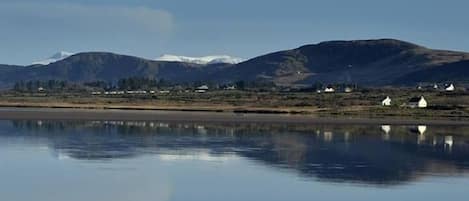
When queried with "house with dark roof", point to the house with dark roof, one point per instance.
{"points": [[418, 102]]}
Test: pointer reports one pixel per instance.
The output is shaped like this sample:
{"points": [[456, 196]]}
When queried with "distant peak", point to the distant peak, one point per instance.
{"points": [[54, 58], [214, 59]]}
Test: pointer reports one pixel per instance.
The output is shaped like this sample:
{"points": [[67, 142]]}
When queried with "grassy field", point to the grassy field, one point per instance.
{"points": [[366, 103]]}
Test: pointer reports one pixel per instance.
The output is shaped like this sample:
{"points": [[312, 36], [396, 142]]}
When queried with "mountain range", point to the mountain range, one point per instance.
{"points": [[366, 62]]}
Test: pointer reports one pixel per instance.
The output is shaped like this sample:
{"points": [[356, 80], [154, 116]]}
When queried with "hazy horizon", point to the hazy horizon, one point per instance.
{"points": [[34, 30]]}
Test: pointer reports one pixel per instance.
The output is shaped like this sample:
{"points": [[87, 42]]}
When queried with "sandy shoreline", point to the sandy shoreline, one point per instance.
{"points": [[185, 116]]}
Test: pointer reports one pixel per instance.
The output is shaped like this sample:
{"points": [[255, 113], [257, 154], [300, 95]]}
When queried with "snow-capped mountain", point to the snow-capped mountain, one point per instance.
{"points": [[215, 59], [54, 58]]}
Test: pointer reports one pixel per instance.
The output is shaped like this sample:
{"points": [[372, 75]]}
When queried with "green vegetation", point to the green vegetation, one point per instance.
{"points": [[361, 102]]}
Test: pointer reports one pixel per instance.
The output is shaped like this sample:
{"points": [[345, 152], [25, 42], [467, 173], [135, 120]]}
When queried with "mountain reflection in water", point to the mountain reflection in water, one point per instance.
{"points": [[381, 154]]}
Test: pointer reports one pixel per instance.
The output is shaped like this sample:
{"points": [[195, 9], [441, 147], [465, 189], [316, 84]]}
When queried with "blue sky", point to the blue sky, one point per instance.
{"points": [[35, 29]]}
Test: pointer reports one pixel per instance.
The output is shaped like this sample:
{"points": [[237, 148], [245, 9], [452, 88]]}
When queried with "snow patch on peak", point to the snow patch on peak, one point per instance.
{"points": [[215, 59], [54, 58]]}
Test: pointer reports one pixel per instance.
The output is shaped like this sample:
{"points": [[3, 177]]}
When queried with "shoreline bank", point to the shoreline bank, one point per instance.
{"points": [[73, 114]]}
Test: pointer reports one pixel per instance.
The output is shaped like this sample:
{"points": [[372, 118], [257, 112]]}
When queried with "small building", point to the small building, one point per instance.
{"points": [[329, 90], [348, 90], [386, 101], [450, 87], [201, 89], [230, 88], [418, 102]]}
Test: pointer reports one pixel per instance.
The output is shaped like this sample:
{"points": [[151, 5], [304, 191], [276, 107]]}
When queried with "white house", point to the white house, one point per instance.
{"points": [[329, 90], [230, 88], [450, 88], [418, 102], [386, 101], [348, 90], [201, 89]]}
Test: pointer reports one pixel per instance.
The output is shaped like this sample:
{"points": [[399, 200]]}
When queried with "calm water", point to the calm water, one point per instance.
{"points": [[157, 161]]}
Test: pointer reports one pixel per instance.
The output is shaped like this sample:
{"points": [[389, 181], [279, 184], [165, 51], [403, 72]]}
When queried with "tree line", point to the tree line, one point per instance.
{"points": [[141, 83]]}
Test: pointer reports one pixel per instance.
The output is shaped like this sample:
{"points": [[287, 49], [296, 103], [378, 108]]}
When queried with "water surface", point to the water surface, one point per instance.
{"points": [[139, 161]]}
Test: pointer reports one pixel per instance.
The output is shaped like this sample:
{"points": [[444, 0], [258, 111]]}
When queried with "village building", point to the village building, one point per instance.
{"points": [[450, 87], [230, 88], [137, 92], [201, 89], [418, 102], [386, 101], [329, 90], [348, 90]]}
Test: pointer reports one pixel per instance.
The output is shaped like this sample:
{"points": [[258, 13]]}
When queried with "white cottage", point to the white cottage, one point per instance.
{"points": [[348, 90], [450, 87], [329, 90], [386, 101], [201, 89], [418, 102]]}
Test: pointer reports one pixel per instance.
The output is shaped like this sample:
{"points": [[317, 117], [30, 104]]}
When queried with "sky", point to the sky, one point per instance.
{"points": [[33, 30]]}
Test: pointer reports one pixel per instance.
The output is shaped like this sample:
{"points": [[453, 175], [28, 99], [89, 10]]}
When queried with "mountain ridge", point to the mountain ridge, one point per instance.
{"points": [[366, 62]]}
